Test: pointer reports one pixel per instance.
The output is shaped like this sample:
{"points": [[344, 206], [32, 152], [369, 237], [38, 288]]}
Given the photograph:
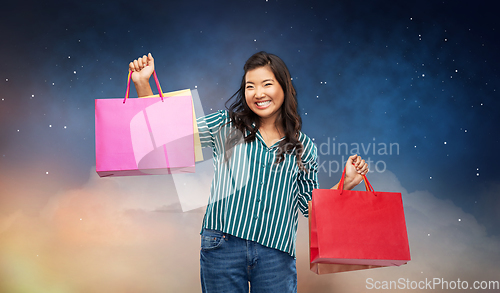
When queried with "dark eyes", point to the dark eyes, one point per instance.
{"points": [[251, 86]]}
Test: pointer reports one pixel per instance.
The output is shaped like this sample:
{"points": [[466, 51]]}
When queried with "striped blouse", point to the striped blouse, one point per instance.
{"points": [[252, 197]]}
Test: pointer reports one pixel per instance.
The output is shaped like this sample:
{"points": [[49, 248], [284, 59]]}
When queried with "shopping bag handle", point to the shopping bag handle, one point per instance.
{"points": [[127, 93], [368, 186]]}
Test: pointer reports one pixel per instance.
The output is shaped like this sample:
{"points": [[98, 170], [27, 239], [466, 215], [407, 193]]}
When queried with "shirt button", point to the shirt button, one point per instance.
{"points": [[258, 199], [261, 182], [263, 165], [256, 217]]}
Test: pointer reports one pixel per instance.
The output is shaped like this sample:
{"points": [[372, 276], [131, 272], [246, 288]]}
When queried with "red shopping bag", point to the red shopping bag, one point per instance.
{"points": [[144, 136], [353, 230]]}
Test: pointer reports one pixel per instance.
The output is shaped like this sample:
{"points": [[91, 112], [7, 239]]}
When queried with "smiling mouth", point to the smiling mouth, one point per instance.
{"points": [[263, 104]]}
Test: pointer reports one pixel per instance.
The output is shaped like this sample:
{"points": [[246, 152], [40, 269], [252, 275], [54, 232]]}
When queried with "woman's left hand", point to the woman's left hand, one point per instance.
{"points": [[355, 169]]}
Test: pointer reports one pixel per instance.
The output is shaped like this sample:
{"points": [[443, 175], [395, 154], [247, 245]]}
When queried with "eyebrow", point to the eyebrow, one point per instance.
{"points": [[262, 81]]}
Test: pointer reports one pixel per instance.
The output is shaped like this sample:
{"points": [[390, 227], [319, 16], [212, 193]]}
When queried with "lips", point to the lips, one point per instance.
{"points": [[263, 104]]}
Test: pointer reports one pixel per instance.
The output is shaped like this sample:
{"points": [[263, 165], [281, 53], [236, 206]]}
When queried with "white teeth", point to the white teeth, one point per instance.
{"points": [[261, 104]]}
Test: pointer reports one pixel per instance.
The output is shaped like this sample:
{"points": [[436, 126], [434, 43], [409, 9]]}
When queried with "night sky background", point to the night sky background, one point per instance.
{"points": [[422, 75]]}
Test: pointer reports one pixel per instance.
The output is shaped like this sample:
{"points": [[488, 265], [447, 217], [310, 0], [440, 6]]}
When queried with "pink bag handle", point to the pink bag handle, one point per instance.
{"points": [[127, 93], [368, 186]]}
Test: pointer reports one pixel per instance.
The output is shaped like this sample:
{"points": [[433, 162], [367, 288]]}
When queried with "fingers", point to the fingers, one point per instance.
{"points": [[136, 65], [151, 60], [360, 164], [362, 168], [352, 159], [141, 62]]}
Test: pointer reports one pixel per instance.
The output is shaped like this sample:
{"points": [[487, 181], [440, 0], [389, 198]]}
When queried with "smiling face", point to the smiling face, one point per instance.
{"points": [[263, 94]]}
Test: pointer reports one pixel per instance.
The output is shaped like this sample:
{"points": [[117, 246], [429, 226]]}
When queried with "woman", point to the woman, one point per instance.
{"points": [[265, 171]]}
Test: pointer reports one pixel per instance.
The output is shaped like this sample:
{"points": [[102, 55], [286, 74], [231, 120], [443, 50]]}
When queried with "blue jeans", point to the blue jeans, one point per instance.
{"points": [[229, 264]]}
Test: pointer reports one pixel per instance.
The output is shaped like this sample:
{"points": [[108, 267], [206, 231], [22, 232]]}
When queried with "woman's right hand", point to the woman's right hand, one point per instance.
{"points": [[142, 69]]}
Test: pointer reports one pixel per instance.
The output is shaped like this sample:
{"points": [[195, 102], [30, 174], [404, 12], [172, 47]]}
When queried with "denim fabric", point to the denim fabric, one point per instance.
{"points": [[231, 264]]}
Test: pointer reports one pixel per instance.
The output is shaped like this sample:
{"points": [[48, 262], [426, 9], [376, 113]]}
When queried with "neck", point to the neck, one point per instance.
{"points": [[271, 124], [272, 121]]}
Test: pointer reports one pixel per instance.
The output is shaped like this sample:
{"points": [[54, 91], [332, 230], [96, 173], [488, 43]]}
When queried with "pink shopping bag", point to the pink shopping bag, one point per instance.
{"points": [[144, 136]]}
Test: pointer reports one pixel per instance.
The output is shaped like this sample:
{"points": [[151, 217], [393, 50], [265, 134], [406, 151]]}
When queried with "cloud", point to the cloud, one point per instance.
{"points": [[487, 206], [129, 234], [104, 237]]}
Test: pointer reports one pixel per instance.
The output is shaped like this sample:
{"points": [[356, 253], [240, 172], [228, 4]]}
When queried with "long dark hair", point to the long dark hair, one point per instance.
{"points": [[243, 118]]}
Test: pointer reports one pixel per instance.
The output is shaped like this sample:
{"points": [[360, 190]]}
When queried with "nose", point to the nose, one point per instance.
{"points": [[259, 93]]}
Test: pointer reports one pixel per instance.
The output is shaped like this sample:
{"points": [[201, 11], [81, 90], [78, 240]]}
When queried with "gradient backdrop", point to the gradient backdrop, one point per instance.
{"points": [[420, 76]]}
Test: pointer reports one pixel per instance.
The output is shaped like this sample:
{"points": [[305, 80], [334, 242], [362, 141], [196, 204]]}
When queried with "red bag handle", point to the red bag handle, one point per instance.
{"points": [[368, 186], [127, 93]]}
